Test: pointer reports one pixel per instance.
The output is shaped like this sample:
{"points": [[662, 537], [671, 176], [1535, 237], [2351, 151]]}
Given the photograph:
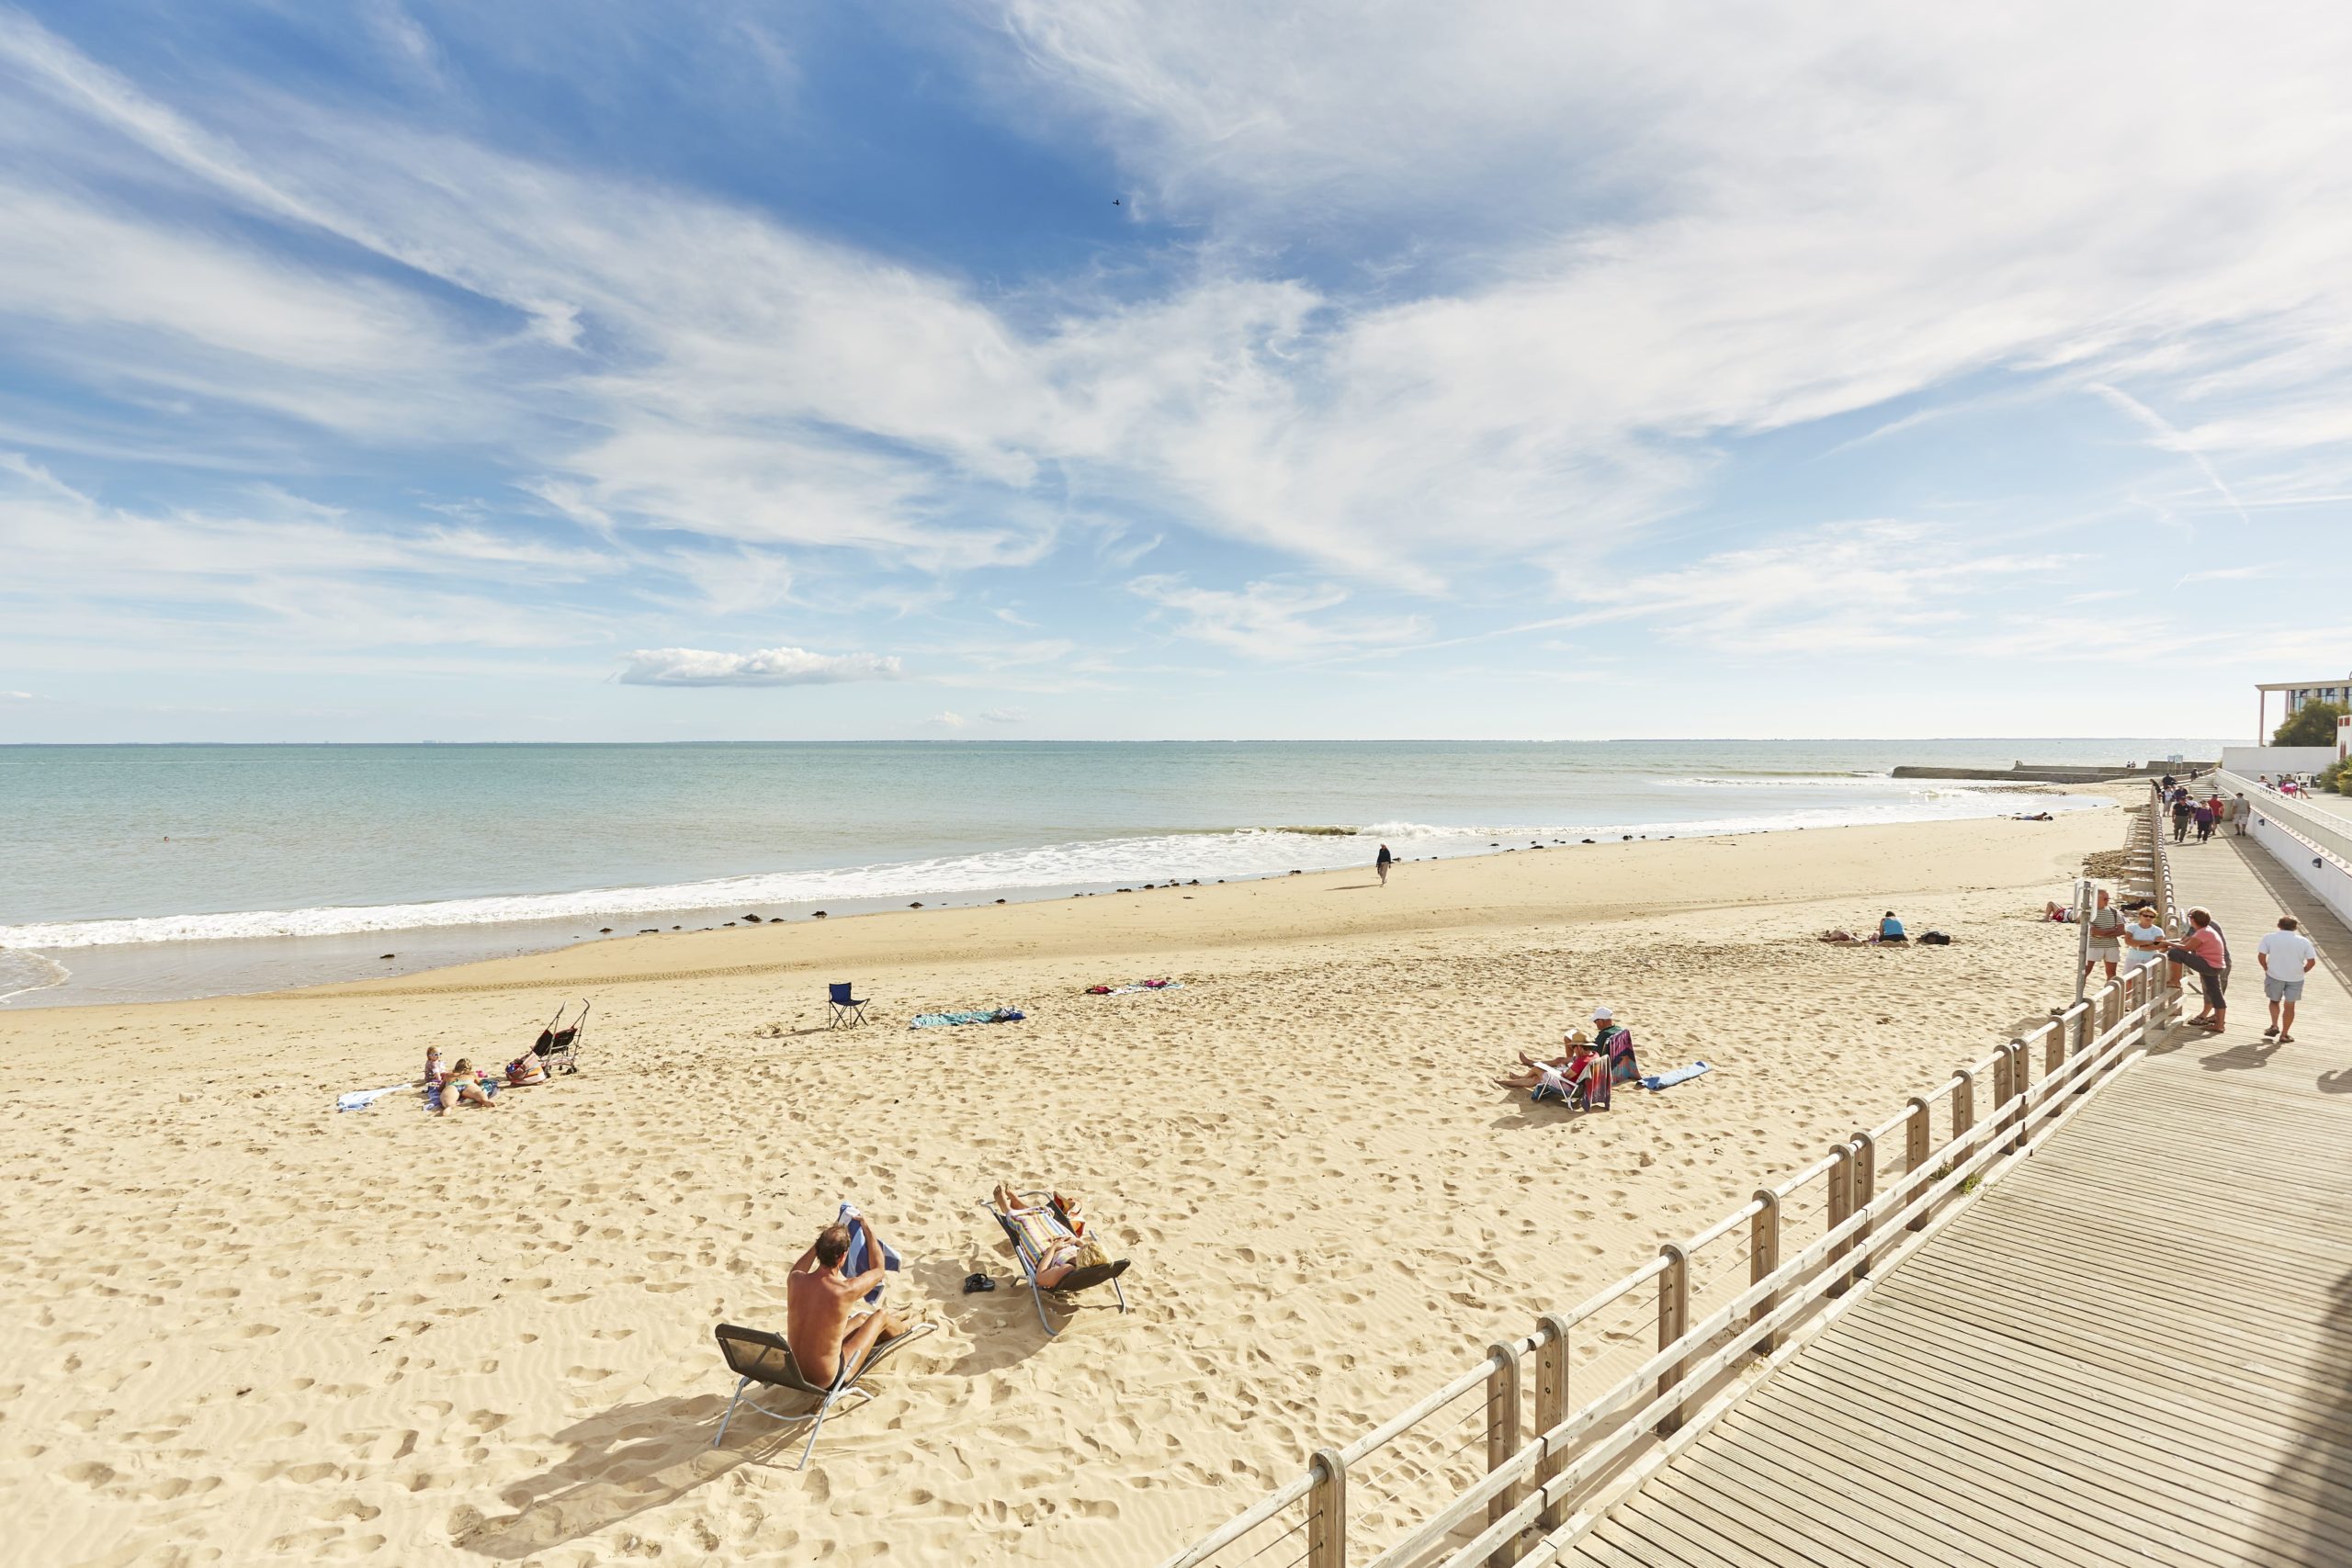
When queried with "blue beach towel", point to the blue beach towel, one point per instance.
{"points": [[361, 1098], [855, 1263], [1680, 1074]]}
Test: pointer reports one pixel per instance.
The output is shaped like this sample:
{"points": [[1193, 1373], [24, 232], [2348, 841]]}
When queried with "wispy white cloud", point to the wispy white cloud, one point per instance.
{"points": [[1835, 588], [1005, 715], [762, 667], [1275, 620], [947, 718]]}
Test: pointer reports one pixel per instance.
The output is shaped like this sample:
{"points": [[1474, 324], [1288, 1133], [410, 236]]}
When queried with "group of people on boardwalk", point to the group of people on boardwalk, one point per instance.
{"points": [[2205, 814], [2119, 941]]}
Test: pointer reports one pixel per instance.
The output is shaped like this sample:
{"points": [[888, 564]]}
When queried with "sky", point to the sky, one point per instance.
{"points": [[1020, 368]]}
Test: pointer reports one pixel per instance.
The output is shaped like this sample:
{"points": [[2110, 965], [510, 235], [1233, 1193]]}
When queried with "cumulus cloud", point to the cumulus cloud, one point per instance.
{"points": [[947, 718], [763, 667]]}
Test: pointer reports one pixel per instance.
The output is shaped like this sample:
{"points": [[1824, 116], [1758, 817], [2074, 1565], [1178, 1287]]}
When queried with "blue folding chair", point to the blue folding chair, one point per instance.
{"points": [[845, 1010]]}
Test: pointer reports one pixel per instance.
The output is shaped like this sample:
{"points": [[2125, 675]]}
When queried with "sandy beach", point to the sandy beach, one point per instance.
{"points": [[250, 1330]]}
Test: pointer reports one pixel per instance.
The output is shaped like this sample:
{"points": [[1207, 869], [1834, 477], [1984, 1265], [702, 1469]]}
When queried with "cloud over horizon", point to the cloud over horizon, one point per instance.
{"points": [[763, 667]]}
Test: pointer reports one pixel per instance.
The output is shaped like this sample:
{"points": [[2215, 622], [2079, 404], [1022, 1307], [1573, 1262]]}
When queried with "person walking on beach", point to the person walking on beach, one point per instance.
{"points": [[1383, 863], [2107, 937], [2286, 956]]}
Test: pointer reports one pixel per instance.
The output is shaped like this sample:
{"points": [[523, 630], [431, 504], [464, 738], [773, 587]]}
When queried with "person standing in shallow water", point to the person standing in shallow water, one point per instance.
{"points": [[1382, 864]]}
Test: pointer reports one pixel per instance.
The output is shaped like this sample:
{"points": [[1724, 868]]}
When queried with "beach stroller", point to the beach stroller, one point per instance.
{"points": [[843, 1011], [756, 1356], [1033, 1232], [557, 1047]]}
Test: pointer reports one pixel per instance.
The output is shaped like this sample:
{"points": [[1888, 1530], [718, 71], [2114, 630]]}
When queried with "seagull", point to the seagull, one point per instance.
{"points": [[1114, 201]]}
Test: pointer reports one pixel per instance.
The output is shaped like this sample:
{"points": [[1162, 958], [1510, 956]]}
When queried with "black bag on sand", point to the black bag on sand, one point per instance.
{"points": [[1934, 939]]}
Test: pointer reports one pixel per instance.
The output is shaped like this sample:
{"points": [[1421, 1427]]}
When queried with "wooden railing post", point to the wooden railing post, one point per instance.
{"points": [[1552, 1368], [1861, 1186], [1673, 1322], [1327, 1510], [1841, 1204], [1916, 1133], [1502, 1440], [2019, 1058], [1764, 1261], [2054, 1055]]}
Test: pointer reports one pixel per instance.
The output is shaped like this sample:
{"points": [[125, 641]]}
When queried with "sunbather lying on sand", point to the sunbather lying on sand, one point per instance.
{"points": [[462, 1086], [1063, 1254]]}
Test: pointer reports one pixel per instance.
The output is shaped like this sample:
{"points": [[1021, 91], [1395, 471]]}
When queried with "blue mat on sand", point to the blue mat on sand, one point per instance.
{"points": [[1680, 1074]]}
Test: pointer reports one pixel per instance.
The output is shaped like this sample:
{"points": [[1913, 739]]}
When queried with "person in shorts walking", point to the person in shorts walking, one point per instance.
{"points": [[2286, 956]]}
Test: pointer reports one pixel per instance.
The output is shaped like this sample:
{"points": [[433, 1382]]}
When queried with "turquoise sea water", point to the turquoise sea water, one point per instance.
{"points": [[155, 871]]}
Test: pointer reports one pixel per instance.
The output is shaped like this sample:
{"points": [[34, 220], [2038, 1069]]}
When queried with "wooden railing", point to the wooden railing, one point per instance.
{"points": [[1503, 1466]]}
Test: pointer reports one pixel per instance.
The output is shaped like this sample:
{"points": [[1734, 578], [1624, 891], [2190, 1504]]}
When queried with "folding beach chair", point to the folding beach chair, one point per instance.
{"points": [[1036, 1231], [844, 1007], [557, 1047], [756, 1356]]}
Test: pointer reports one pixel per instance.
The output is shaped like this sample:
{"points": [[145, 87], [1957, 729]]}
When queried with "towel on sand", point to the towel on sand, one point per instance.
{"points": [[1680, 1074], [1139, 985], [946, 1020], [855, 1263], [361, 1098]]}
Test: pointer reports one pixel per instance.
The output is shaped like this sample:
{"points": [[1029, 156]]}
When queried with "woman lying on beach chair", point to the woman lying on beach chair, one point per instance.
{"points": [[1579, 1076], [1048, 1236]]}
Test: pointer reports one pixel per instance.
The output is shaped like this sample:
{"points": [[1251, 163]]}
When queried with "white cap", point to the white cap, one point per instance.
{"points": [[1602, 1015]]}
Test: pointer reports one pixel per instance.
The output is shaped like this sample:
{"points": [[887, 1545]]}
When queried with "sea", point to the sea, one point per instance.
{"points": [[154, 872]]}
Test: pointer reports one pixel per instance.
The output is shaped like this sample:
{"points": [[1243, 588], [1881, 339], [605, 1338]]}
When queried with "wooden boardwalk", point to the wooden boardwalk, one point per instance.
{"points": [[2137, 1348]]}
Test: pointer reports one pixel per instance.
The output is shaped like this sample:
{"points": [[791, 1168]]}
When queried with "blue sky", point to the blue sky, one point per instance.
{"points": [[1018, 368]]}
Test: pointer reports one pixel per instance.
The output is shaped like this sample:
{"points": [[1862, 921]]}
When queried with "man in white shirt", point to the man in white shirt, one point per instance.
{"points": [[2286, 956]]}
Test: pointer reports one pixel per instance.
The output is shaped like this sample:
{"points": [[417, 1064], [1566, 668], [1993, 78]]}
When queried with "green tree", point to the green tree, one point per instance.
{"points": [[2336, 776], [2313, 724]]}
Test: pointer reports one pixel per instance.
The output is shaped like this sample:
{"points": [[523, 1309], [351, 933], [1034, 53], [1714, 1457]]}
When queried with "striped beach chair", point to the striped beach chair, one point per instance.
{"points": [[1033, 1232]]}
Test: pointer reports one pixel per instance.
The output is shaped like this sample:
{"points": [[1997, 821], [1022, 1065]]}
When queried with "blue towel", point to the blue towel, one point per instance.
{"points": [[948, 1019], [855, 1263], [1680, 1074]]}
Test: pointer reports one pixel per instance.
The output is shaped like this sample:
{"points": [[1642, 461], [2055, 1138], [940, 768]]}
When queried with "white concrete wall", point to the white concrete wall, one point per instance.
{"points": [[2252, 761], [2329, 879]]}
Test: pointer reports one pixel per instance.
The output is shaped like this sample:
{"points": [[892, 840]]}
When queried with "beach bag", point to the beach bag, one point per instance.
{"points": [[1934, 939]]}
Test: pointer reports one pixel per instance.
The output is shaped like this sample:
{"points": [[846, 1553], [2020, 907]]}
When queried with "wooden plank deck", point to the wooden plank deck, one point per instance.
{"points": [[2137, 1348]]}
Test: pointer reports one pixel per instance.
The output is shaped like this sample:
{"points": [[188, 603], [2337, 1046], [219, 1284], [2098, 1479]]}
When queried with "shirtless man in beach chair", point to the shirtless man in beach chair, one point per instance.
{"points": [[827, 1341]]}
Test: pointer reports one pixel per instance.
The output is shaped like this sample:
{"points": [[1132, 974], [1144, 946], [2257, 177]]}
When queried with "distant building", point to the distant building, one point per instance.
{"points": [[2326, 690]]}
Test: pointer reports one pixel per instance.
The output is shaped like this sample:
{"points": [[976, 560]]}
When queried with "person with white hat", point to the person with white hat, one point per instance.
{"points": [[1615, 1041]]}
